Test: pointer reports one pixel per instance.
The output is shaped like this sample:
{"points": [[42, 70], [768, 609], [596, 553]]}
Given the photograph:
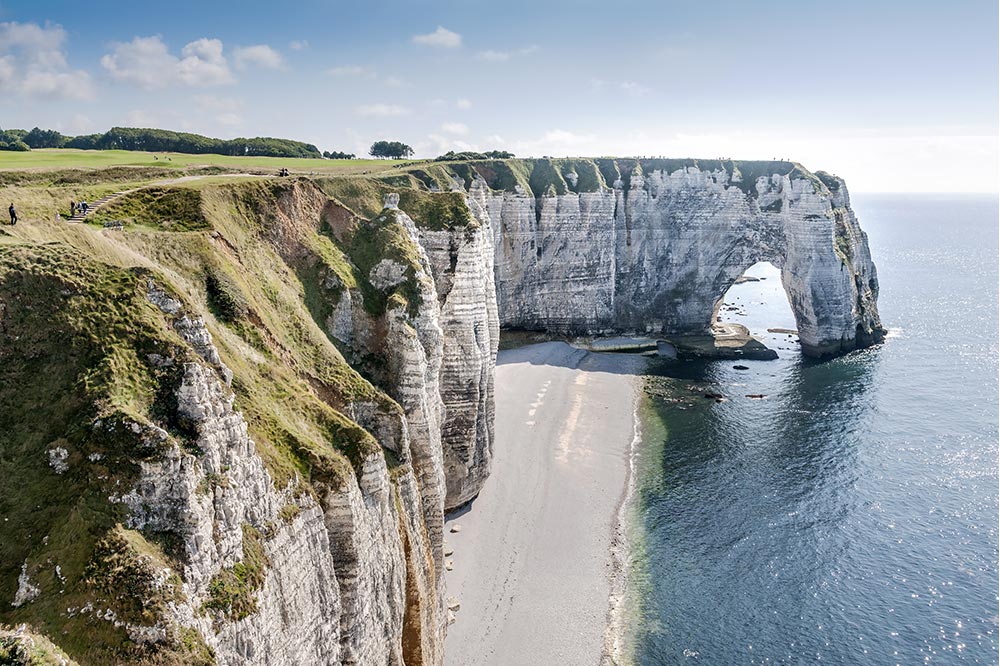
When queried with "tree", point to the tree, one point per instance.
{"points": [[157, 140], [39, 138], [390, 149], [452, 156], [337, 155], [12, 140]]}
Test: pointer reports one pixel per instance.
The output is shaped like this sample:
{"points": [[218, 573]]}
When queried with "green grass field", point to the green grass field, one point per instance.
{"points": [[67, 158]]}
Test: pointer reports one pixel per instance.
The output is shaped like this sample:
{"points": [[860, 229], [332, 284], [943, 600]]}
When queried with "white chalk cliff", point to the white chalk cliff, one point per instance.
{"points": [[655, 250]]}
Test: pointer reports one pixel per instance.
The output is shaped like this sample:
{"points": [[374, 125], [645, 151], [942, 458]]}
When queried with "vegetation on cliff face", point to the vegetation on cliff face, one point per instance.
{"points": [[557, 176], [232, 590], [174, 208], [24, 647], [425, 195], [77, 390]]}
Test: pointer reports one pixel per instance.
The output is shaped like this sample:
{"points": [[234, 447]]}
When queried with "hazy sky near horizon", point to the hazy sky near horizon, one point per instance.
{"points": [[893, 96]]}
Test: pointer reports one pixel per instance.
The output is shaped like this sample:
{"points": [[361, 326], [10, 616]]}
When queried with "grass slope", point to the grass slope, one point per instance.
{"points": [[64, 158], [75, 375]]}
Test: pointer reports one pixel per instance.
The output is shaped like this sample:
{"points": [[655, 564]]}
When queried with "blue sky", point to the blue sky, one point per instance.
{"points": [[893, 96]]}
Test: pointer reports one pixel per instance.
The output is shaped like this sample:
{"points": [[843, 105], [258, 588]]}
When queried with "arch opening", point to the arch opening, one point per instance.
{"points": [[758, 302]]}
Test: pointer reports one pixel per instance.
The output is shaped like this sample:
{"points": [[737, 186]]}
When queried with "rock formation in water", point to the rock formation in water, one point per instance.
{"points": [[231, 436]]}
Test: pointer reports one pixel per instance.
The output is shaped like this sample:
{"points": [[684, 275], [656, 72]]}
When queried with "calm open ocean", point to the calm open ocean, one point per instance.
{"points": [[850, 517]]}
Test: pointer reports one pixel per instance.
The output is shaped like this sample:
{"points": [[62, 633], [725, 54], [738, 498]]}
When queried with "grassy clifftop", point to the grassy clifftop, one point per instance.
{"points": [[554, 176]]}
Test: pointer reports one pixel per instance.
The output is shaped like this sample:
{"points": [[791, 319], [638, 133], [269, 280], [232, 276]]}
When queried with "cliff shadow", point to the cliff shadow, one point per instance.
{"points": [[561, 354]]}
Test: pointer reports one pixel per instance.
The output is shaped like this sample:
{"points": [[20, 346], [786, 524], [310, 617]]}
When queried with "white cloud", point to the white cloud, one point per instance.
{"points": [[455, 128], [631, 88], [504, 56], [147, 62], [442, 37], [218, 103], [144, 60], [559, 136], [231, 119], [140, 118], [33, 63], [558, 143], [259, 55], [463, 103], [202, 63], [298, 45], [634, 89], [437, 144], [224, 110], [365, 71], [78, 124], [381, 110]]}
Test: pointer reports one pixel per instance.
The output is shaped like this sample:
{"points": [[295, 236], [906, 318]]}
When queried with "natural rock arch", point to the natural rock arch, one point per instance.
{"points": [[654, 255]]}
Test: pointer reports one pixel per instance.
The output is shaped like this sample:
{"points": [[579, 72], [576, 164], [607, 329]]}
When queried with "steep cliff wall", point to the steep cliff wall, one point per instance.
{"points": [[455, 238]]}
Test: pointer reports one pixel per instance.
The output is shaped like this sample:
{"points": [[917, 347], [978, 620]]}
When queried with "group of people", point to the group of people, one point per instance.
{"points": [[75, 208], [283, 171]]}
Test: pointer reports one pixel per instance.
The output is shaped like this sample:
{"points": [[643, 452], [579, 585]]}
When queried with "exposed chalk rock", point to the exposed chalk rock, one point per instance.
{"points": [[57, 459], [26, 591], [354, 567], [462, 265]]}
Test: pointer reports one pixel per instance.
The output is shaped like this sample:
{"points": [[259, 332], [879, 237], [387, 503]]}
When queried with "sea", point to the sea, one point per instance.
{"points": [[850, 515]]}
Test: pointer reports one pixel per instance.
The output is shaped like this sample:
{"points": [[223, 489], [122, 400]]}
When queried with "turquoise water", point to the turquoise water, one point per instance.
{"points": [[850, 517]]}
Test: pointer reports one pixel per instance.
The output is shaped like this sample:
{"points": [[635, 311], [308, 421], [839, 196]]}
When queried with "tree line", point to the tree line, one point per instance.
{"points": [[167, 141], [452, 156], [398, 150], [394, 150]]}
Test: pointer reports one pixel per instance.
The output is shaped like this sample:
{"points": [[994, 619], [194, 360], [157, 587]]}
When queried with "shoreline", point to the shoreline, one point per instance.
{"points": [[615, 636], [538, 565]]}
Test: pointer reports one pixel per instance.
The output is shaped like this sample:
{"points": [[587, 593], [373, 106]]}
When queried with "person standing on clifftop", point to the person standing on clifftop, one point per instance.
{"points": [[13, 213]]}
